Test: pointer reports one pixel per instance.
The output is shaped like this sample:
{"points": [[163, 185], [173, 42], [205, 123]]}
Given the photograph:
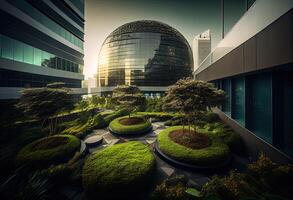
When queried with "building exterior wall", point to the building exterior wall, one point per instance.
{"points": [[201, 48], [257, 77], [42, 42]]}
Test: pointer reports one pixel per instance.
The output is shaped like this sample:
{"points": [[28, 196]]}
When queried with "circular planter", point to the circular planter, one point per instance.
{"points": [[118, 170], [214, 156], [118, 128], [93, 141], [48, 151]]}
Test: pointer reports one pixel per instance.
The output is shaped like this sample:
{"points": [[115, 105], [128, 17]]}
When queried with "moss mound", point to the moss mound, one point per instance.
{"points": [[120, 125], [215, 154], [48, 151], [190, 139], [120, 168]]}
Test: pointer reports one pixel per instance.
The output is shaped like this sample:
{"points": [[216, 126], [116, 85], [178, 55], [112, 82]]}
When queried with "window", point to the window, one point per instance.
{"points": [[37, 57], [28, 54], [238, 100], [259, 105], [7, 47], [226, 107]]}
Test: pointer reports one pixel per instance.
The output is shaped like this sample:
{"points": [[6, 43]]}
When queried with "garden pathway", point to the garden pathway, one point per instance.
{"points": [[163, 169]]}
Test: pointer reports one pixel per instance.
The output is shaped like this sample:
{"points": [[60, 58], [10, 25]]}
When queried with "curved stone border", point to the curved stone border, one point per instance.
{"points": [[188, 166], [131, 134], [93, 141]]}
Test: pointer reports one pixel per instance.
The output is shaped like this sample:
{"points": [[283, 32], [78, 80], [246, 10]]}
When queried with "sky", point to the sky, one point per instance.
{"points": [[189, 17]]}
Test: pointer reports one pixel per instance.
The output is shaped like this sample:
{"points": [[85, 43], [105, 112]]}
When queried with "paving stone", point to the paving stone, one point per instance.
{"points": [[150, 140], [115, 141], [109, 138], [167, 170], [99, 148], [83, 147], [93, 141]]}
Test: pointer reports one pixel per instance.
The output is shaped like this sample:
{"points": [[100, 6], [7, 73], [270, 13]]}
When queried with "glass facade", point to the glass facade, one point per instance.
{"points": [[238, 100], [226, 86], [46, 21], [144, 53], [21, 52], [9, 78]]}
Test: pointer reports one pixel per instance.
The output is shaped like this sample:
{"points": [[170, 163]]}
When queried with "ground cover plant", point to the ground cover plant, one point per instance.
{"points": [[117, 170], [129, 126], [48, 151], [208, 152]]}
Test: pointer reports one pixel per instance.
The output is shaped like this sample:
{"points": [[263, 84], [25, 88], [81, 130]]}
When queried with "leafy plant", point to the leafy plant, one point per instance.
{"points": [[43, 103], [129, 98], [192, 97]]}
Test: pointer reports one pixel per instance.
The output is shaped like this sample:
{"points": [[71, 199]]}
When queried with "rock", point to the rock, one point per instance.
{"points": [[93, 141]]}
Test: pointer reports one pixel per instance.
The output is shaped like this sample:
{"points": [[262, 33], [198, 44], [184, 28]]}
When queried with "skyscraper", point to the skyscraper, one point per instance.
{"points": [[41, 42], [201, 47]]}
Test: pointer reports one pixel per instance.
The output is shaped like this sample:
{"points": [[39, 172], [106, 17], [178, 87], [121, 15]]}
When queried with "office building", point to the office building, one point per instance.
{"points": [[149, 54], [201, 47], [41, 42], [254, 65]]}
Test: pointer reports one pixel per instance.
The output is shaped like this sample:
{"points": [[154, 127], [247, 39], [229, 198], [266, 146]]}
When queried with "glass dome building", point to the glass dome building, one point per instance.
{"points": [[144, 53]]}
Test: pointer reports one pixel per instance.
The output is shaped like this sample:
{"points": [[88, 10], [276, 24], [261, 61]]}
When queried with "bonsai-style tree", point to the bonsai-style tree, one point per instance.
{"points": [[193, 98], [97, 100], [43, 103], [129, 98]]}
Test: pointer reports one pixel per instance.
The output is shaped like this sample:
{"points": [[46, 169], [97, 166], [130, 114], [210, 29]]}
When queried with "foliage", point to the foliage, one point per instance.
{"points": [[192, 97], [129, 98], [40, 154], [83, 104], [97, 100], [217, 153], [226, 134], [43, 103], [264, 180], [158, 116], [118, 169], [114, 115], [154, 104], [119, 128]]}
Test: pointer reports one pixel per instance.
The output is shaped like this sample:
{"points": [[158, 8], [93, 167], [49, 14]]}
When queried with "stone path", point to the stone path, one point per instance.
{"points": [[164, 170]]}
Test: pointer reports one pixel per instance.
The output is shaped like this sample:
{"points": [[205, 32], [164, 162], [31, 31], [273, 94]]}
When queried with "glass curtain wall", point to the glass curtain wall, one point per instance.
{"points": [[238, 100], [226, 86]]}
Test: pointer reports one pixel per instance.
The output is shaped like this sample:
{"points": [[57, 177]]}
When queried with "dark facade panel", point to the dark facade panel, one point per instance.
{"points": [[275, 43], [272, 46], [250, 55]]}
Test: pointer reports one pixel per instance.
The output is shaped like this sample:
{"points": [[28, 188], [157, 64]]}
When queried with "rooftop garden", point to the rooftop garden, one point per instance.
{"points": [[129, 147]]}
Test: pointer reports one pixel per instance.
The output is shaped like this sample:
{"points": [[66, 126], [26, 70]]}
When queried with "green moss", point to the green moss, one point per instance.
{"points": [[217, 153], [119, 128], [162, 116], [120, 167], [40, 158], [115, 115]]}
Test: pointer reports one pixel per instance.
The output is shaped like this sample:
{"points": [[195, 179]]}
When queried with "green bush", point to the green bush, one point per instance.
{"points": [[160, 116], [225, 133], [117, 170], [119, 128], [48, 151], [216, 153], [114, 115]]}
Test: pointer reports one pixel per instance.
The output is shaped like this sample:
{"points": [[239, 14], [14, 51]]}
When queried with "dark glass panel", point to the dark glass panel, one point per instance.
{"points": [[226, 107], [238, 100], [259, 105]]}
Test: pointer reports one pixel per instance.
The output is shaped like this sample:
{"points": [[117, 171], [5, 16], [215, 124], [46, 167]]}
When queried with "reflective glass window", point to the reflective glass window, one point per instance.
{"points": [[37, 56], [7, 47], [226, 107], [238, 100], [28, 54], [259, 105], [18, 51]]}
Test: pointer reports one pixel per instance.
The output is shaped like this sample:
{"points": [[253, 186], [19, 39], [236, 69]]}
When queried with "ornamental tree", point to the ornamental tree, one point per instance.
{"points": [[129, 97], [193, 98], [43, 103]]}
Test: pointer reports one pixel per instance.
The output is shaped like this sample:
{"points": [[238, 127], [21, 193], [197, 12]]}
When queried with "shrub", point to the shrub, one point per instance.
{"points": [[118, 128], [159, 116], [117, 170], [48, 151], [216, 153], [112, 116]]}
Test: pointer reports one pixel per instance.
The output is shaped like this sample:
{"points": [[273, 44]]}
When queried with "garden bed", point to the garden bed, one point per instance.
{"points": [[48, 151], [130, 126], [120, 169], [212, 154]]}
